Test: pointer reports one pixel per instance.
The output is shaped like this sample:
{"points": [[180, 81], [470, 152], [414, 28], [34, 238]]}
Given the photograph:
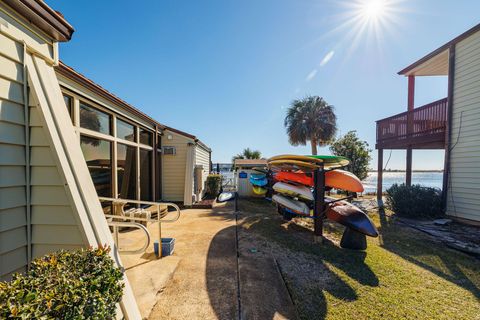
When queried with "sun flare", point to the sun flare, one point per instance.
{"points": [[373, 9]]}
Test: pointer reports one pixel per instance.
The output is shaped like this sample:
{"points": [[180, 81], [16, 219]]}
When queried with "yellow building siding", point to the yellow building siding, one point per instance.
{"points": [[173, 167], [202, 158], [463, 199]]}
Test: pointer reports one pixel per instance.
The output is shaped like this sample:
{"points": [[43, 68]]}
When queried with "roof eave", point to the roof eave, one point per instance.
{"points": [[439, 50], [77, 77], [39, 14]]}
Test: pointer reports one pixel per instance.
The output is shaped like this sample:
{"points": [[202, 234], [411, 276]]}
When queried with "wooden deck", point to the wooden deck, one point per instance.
{"points": [[421, 128]]}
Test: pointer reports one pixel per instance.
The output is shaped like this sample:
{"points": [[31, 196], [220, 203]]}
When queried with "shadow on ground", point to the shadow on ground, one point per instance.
{"points": [[305, 266], [437, 259]]}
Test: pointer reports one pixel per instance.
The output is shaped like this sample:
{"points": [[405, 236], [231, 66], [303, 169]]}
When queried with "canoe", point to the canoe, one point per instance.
{"points": [[259, 190], [352, 217], [295, 176], [293, 190], [225, 196], [294, 205], [259, 182], [341, 179]]}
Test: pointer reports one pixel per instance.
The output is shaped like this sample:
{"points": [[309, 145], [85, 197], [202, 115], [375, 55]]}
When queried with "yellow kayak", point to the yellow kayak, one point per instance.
{"points": [[295, 157], [288, 164], [329, 162], [259, 190]]}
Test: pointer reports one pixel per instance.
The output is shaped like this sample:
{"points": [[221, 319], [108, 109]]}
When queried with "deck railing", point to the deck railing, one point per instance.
{"points": [[422, 125]]}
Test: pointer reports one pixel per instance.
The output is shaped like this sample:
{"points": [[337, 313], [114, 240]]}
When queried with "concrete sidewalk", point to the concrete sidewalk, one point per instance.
{"points": [[206, 284]]}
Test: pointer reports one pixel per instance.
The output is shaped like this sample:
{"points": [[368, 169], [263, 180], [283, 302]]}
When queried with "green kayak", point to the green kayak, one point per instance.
{"points": [[332, 161]]}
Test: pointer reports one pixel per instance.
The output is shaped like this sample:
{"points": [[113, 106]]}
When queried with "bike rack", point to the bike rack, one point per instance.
{"points": [[119, 204]]}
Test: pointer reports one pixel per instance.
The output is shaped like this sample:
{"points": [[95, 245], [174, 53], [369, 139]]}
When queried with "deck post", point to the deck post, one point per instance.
{"points": [[411, 106], [408, 174], [319, 208], [380, 175]]}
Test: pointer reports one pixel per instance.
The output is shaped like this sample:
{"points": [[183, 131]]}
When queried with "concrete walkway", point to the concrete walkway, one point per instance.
{"points": [[210, 282]]}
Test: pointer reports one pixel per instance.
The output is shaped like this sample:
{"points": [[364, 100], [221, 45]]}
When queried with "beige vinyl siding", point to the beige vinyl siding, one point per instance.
{"points": [[13, 218], [173, 167], [202, 157], [52, 217], [463, 199], [46, 187]]}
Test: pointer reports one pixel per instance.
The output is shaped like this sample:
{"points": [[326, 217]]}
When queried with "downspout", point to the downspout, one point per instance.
{"points": [[27, 157], [188, 188], [448, 135]]}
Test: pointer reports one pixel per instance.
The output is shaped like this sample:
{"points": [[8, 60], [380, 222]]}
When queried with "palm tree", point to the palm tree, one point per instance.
{"points": [[310, 119], [248, 154]]}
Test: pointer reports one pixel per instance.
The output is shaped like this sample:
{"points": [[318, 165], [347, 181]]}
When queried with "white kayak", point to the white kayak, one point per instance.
{"points": [[291, 204], [225, 196], [292, 190]]}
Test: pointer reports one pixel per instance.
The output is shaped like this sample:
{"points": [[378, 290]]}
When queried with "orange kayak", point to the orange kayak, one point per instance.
{"points": [[345, 180]]}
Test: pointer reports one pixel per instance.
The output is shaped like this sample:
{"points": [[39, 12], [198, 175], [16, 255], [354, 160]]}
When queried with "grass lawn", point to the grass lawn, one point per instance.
{"points": [[404, 274]]}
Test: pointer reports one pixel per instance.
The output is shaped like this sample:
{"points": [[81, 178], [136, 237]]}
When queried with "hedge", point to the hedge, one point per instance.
{"points": [[214, 184], [82, 284], [414, 201]]}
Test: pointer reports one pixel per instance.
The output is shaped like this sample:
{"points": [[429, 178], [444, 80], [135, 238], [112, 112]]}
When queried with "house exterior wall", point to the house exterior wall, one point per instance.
{"points": [[174, 166], [47, 201], [463, 198], [52, 217], [15, 232], [202, 158]]}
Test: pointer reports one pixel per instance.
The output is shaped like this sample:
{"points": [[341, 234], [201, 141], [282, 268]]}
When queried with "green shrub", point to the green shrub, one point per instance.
{"points": [[82, 284], [415, 201], [214, 183]]}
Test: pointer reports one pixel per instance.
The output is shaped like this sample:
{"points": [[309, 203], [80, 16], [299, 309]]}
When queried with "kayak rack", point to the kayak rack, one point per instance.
{"points": [[138, 217], [351, 239]]}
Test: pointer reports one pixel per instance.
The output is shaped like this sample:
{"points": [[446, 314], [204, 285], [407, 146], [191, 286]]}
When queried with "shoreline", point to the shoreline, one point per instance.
{"points": [[402, 171]]}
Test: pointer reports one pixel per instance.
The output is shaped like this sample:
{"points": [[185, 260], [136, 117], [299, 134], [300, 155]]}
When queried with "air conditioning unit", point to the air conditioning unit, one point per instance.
{"points": [[169, 151]]}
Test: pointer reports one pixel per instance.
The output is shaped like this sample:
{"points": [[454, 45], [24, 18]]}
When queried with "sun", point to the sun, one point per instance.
{"points": [[373, 9]]}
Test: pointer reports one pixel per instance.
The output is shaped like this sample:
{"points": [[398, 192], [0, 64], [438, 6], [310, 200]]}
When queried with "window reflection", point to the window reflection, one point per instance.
{"points": [[126, 171], [125, 130], [97, 153], [146, 137], [69, 104], [145, 175], [93, 119]]}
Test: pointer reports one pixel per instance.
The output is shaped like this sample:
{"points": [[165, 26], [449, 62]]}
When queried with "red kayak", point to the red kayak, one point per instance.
{"points": [[352, 217], [338, 179], [295, 176]]}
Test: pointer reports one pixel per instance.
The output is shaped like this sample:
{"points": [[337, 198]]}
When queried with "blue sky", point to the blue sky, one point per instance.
{"points": [[226, 70]]}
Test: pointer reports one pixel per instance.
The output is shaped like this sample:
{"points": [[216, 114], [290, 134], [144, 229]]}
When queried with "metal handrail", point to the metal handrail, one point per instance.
{"points": [[122, 202], [116, 224]]}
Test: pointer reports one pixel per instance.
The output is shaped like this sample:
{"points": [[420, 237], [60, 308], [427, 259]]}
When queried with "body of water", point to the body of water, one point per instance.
{"points": [[427, 179]]}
